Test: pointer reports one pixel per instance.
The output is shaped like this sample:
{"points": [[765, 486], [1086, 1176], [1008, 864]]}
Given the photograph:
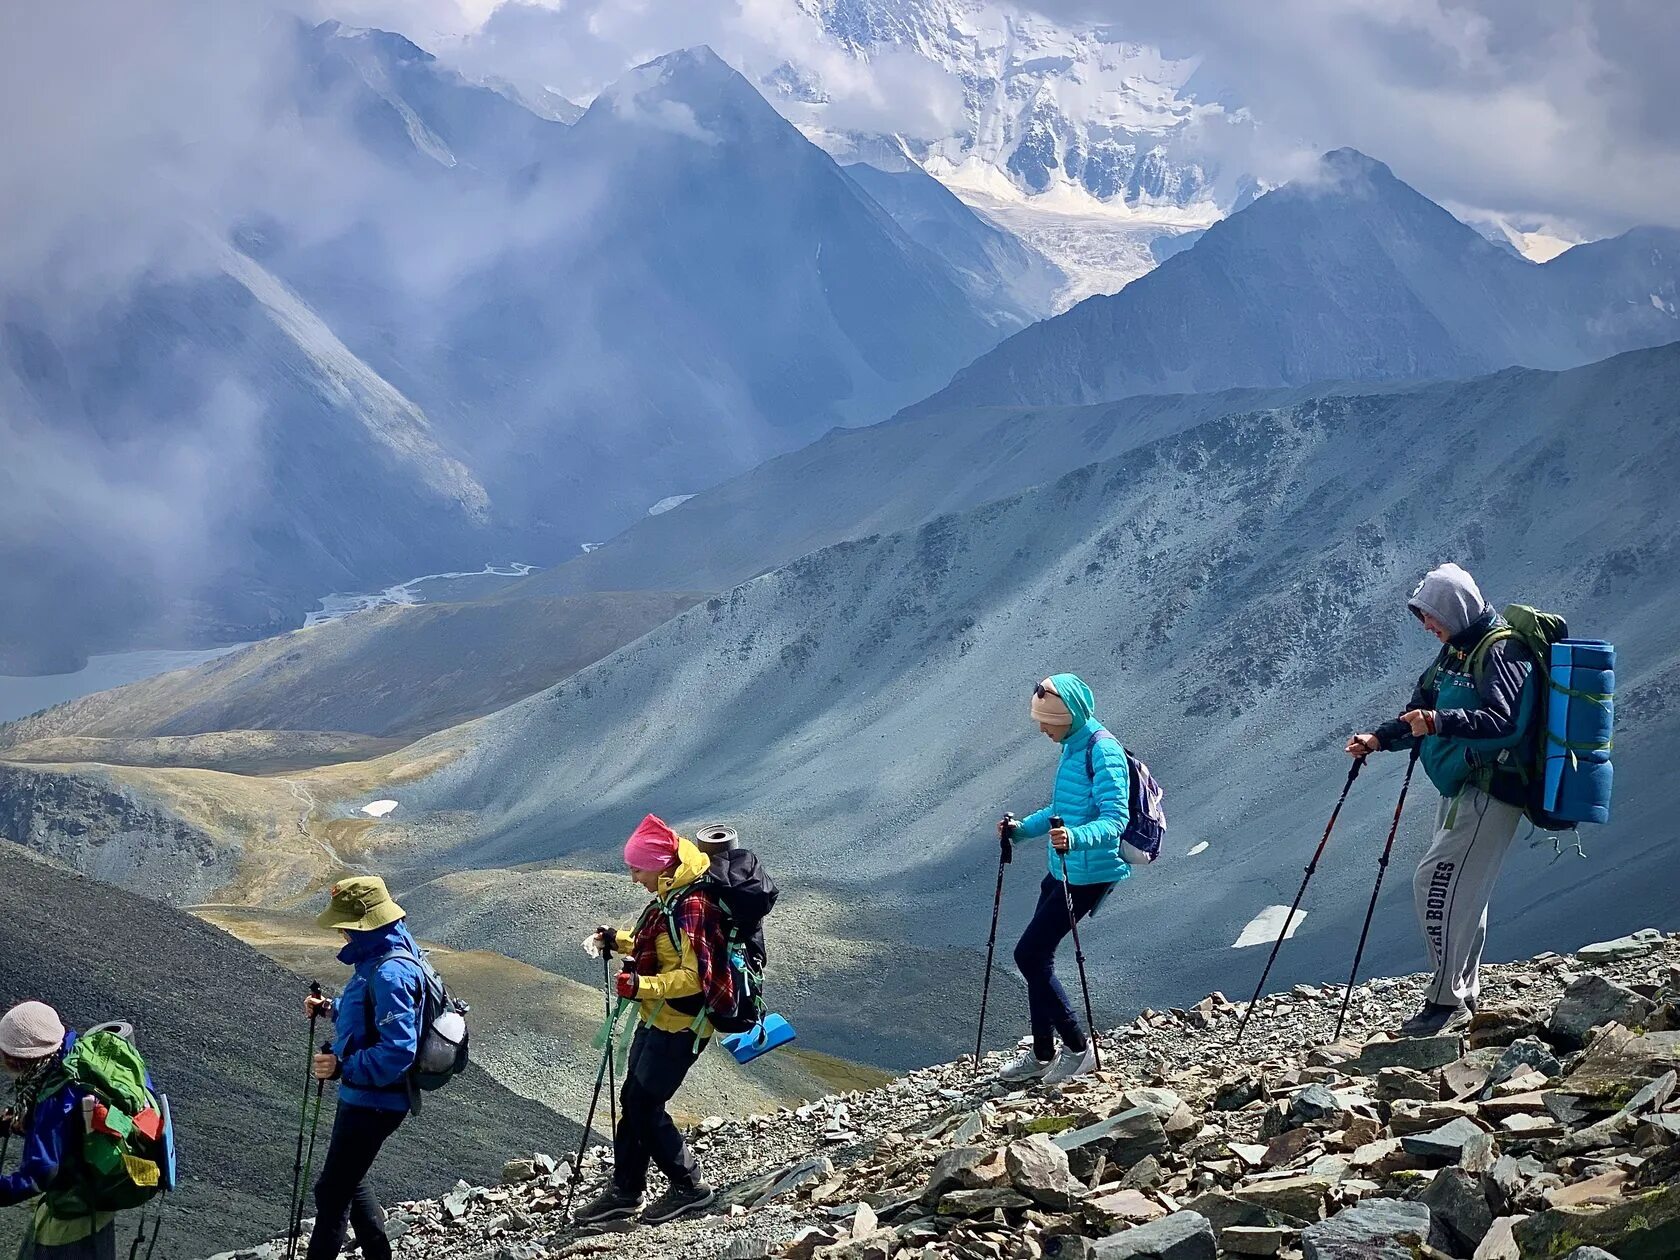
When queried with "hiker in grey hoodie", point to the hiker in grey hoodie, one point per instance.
{"points": [[1473, 711]]}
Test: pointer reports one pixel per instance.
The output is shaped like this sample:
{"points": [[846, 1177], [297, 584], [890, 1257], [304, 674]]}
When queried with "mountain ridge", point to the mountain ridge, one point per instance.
{"points": [[1345, 274]]}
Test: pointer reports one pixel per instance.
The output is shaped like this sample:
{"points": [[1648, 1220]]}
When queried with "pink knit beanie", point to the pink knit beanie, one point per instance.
{"points": [[652, 846]]}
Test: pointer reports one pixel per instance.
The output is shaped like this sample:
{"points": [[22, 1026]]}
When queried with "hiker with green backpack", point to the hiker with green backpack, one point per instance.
{"points": [[96, 1139], [676, 970], [1477, 714]]}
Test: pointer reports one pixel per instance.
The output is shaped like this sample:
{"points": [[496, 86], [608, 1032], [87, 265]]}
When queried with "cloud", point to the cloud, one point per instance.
{"points": [[1542, 113], [578, 47], [1557, 115]]}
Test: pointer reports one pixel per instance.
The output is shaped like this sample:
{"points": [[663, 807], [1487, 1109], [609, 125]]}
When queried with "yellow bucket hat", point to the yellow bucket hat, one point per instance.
{"points": [[361, 904]]}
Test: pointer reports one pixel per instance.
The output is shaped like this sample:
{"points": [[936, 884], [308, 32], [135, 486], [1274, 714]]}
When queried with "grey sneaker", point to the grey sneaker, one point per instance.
{"points": [[679, 1201], [1028, 1067], [1436, 1020], [614, 1205], [1072, 1063]]}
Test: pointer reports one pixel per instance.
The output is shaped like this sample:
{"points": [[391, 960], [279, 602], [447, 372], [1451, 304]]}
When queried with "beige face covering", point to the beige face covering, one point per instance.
{"points": [[1050, 708]]}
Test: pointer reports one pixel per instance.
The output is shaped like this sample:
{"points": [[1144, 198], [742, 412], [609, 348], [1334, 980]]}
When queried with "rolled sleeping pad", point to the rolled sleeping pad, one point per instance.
{"points": [[1580, 721], [771, 1031], [716, 838]]}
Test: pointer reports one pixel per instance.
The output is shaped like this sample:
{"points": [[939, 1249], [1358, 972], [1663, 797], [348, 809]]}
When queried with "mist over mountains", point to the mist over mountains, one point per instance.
{"points": [[508, 335]]}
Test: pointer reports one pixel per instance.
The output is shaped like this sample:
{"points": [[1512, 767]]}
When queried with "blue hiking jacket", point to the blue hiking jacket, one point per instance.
{"points": [[46, 1143], [377, 1018], [1096, 809]]}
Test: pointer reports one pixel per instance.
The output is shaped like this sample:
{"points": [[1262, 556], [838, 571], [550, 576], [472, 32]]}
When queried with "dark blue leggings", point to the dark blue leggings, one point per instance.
{"points": [[1035, 954]]}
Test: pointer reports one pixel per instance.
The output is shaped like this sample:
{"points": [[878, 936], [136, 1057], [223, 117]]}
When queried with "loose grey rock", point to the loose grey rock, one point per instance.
{"points": [[1253, 1240], [1121, 1139], [1445, 1143], [1527, 1053], [1315, 1102], [1038, 1168], [964, 1168], [1459, 1208], [1636, 945], [1181, 1236], [1377, 1229], [1421, 1053], [1590, 1001]]}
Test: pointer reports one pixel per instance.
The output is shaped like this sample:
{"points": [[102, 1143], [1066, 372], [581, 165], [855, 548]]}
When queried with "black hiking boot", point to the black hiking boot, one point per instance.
{"points": [[1435, 1020], [679, 1201], [614, 1205]]}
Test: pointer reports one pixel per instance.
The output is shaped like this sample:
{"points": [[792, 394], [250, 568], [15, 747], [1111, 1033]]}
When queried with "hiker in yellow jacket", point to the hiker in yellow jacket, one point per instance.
{"points": [[675, 953]]}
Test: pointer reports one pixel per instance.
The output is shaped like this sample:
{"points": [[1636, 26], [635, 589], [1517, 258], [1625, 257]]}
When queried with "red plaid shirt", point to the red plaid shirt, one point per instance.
{"points": [[697, 918]]}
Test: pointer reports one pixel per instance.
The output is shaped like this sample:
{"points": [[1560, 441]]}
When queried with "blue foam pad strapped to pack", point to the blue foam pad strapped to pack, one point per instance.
{"points": [[1580, 721], [772, 1031]]}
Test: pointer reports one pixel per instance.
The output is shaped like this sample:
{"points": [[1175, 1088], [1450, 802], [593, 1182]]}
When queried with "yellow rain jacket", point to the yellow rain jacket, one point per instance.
{"points": [[679, 972]]}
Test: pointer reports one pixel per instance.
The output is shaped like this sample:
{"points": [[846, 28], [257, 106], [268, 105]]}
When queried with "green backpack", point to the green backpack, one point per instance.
{"points": [[1536, 631], [126, 1155]]}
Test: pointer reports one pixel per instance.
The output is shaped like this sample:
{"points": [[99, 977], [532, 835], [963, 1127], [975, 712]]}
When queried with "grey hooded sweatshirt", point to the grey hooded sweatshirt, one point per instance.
{"points": [[1497, 716]]}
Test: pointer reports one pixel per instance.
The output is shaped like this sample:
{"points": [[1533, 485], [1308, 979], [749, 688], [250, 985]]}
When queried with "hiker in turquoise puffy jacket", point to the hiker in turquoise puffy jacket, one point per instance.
{"points": [[376, 1040], [1091, 796], [1471, 716]]}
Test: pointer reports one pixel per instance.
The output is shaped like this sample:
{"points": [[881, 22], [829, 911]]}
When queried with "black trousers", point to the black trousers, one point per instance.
{"points": [[658, 1062], [1035, 954], [342, 1194]]}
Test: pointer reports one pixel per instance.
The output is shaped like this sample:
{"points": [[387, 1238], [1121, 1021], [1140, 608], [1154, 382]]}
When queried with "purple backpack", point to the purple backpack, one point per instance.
{"points": [[1146, 815]]}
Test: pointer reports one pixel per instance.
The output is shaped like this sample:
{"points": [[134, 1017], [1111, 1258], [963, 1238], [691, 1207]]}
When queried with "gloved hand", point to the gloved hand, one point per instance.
{"points": [[600, 941], [626, 984], [1007, 826]]}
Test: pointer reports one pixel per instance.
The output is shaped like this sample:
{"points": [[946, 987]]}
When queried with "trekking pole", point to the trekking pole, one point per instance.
{"points": [[292, 1213], [1006, 853], [1382, 869], [309, 1163], [1078, 953], [1312, 866], [594, 1102], [612, 1085]]}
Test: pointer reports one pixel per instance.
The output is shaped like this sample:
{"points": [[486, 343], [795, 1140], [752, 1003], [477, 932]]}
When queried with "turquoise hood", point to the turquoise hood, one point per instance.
{"points": [[1091, 793], [1078, 698]]}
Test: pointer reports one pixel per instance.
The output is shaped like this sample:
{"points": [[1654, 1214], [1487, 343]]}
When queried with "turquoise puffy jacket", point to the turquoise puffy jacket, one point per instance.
{"points": [[1095, 808]]}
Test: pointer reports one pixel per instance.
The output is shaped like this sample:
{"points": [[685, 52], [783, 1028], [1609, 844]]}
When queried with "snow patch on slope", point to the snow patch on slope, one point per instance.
{"points": [[1264, 927]]}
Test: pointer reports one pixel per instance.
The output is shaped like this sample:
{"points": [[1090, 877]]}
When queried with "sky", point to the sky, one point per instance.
{"points": [[1555, 114]]}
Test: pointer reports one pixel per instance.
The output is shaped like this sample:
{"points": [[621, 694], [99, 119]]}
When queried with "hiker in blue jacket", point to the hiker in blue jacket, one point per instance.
{"points": [[1091, 795], [1474, 712], [46, 1112], [377, 1036]]}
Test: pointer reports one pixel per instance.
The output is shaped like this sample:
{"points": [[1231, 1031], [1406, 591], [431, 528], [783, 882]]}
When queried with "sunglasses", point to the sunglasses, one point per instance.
{"points": [[1040, 691]]}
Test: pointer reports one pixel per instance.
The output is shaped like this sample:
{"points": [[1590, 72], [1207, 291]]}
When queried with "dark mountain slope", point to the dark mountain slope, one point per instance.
{"points": [[222, 1029]]}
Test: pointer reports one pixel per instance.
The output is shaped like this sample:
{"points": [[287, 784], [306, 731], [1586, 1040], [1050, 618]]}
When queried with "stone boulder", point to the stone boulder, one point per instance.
{"points": [[1377, 1229], [1640, 1227], [1592, 1000], [1038, 1168], [1181, 1236]]}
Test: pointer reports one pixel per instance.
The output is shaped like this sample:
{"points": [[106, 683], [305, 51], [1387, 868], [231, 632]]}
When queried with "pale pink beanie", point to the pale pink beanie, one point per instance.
{"points": [[31, 1030], [652, 846]]}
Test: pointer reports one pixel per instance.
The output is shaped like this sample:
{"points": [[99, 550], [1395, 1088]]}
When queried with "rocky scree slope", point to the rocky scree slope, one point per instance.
{"points": [[1552, 1128], [1234, 592], [223, 1032]]}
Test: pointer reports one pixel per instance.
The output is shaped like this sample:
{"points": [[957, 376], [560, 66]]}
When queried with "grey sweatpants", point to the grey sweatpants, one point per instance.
{"points": [[1453, 884]]}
